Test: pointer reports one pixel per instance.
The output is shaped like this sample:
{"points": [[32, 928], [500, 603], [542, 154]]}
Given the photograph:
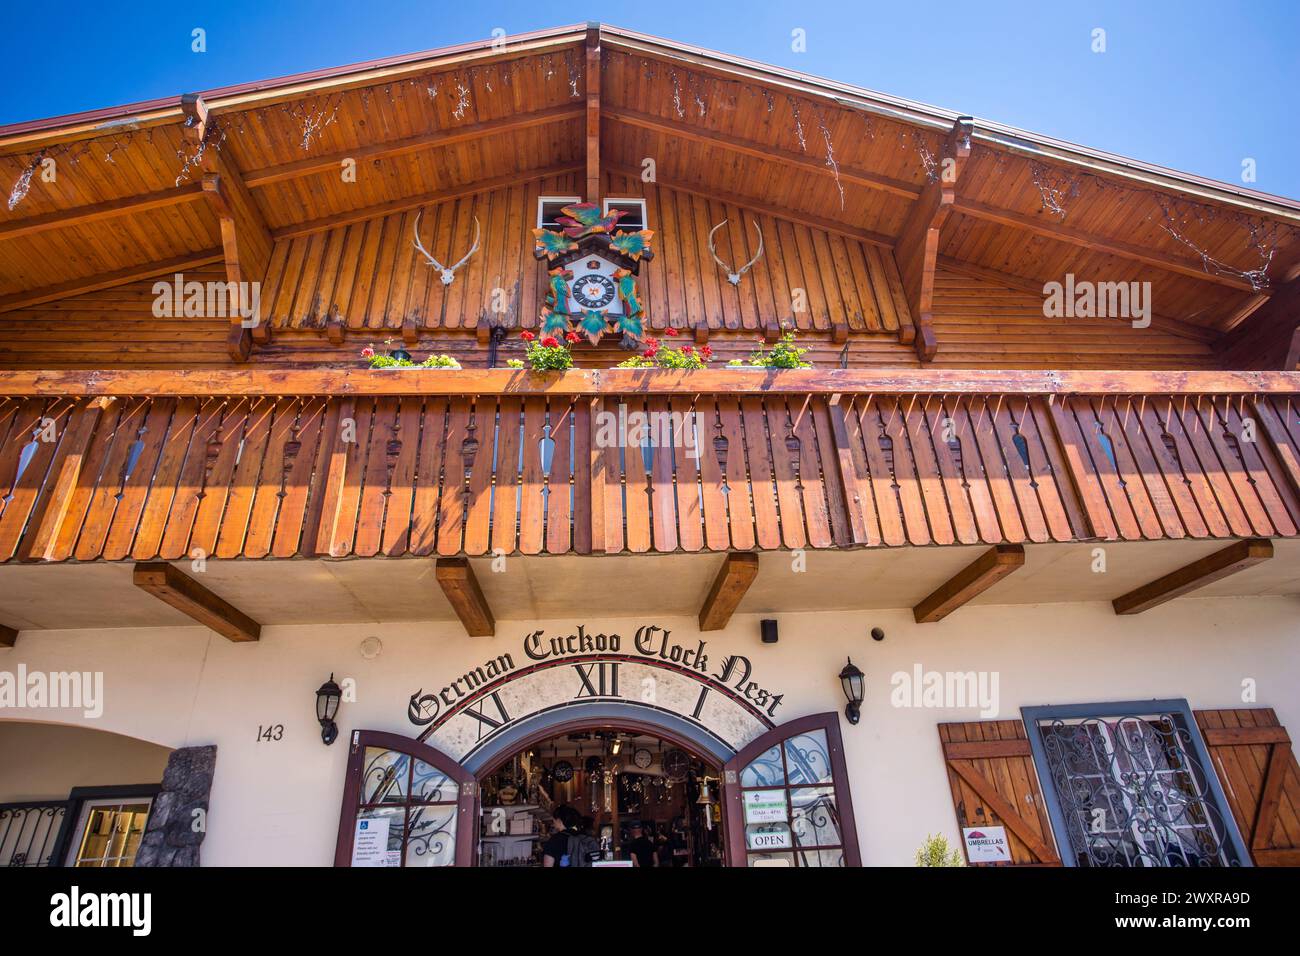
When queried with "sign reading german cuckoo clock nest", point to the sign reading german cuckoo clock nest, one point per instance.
{"points": [[592, 270], [721, 695]]}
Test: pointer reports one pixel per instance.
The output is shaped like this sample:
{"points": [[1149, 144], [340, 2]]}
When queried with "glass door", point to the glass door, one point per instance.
{"points": [[404, 805], [787, 798]]}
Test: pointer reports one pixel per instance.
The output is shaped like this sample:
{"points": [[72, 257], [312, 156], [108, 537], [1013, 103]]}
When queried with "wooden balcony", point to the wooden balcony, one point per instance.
{"points": [[137, 466]]}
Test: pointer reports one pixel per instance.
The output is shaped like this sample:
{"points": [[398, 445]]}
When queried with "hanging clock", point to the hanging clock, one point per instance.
{"points": [[676, 763], [562, 771], [594, 765], [643, 758], [591, 289]]}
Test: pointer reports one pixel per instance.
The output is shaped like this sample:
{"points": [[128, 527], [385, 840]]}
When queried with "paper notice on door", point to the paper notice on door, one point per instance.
{"points": [[370, 844]]}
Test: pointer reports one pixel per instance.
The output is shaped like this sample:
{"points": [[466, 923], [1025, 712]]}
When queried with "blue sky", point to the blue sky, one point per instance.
{"points": [[1197, 86]]}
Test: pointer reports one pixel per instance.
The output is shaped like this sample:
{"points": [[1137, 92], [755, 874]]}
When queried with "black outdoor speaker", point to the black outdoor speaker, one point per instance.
{"points": [[769, 631]]}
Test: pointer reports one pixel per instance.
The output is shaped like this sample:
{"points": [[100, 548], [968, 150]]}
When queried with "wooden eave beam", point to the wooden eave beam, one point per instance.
{"points": [[458, 583], [106, 280], [917, 250], [411, 144], [757, 205], [415, 202], [172, 586], [1236, 557], [1181, 265], [8, 635], [734, 578], [763, 151], [81, 215], [593, 112], [974, 579], [260, 381]]}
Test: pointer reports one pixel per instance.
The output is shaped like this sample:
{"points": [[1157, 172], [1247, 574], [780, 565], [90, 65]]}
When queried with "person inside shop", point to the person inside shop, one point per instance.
{"points": [[640, 848], [572, 843]]}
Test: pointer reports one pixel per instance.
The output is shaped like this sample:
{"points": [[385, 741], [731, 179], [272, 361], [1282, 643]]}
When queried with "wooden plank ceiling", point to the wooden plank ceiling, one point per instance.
{"points": [[837, 179], [149, 478]]}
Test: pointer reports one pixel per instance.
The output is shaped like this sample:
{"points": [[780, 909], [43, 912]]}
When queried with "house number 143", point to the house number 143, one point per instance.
{"points": [[270, 732]]}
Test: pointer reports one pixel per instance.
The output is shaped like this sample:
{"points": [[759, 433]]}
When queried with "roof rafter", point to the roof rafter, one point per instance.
{"points": [[1182, 265], [593, 112], [106, 280], [107, 209], [788, 213], [414, 202], [764, 151], [397, 147]]}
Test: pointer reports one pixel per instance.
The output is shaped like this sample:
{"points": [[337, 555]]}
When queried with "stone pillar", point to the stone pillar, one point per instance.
{"points": [[173, 837]]}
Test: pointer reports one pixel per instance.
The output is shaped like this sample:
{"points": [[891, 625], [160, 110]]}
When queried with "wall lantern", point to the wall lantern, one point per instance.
{"points": [[767, 631], [327, 705], [854, 683]]}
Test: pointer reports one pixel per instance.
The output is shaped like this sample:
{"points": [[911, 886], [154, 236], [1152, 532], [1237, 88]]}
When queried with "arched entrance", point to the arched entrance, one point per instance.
{"points": [[784, 795]]}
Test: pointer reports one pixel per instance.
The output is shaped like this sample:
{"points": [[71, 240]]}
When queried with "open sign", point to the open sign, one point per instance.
{"points": [[769, 838]]}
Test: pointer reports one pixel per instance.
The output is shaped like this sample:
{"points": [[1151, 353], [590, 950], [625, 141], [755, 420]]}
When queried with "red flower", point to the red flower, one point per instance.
{"points": [[527, 336], [687, 350], [651, 341], [367, 352], [706, 351], [670, 331], [572, 337], [550, 342]]}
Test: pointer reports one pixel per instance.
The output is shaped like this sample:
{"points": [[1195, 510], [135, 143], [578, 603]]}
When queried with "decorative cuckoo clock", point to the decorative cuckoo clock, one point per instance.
{"points": [[592, 268]]}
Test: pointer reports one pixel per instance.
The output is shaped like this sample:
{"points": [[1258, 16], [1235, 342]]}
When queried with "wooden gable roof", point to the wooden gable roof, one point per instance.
{"points": [[825, 164]]}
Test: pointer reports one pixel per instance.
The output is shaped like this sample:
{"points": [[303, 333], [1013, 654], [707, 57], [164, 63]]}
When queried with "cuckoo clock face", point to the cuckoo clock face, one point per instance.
{"points": [[593, 286]]}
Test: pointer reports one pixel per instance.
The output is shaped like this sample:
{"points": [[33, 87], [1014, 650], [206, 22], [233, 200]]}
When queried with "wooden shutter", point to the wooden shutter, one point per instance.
{"points": [[1252, 754], [991, 772]]}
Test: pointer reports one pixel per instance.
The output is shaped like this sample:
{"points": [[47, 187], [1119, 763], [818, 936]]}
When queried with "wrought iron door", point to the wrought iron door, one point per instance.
{"points": [[422, 804], [787, 800], [1127, 785]]}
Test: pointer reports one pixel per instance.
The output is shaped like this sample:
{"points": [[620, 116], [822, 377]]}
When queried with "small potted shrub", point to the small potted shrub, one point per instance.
{"points": [[935, 851], [400, 358], [656, 356], [784, 354], [549, 353]]}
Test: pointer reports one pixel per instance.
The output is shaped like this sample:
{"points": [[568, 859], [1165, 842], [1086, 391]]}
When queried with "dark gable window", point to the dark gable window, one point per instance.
{"points": [[548, 211], [1131, 784], [634, 218]]}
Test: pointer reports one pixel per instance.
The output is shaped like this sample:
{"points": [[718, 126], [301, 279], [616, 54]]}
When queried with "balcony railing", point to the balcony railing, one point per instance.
{"points": [[147, 465]]}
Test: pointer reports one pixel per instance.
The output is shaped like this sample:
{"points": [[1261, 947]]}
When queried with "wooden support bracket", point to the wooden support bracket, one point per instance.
{"points": [[917, 250], [8, 636], [1236, 557], [456, 578], [182, 592], [335, 329], [734, 578], [976, 578], [702, 333]]}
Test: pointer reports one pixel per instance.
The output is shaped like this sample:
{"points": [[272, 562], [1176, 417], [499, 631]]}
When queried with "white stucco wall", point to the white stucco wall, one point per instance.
{"points": [[278, 803]]}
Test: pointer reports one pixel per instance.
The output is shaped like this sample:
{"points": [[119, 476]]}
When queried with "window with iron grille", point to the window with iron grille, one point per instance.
{"points": [[1131, 784]]}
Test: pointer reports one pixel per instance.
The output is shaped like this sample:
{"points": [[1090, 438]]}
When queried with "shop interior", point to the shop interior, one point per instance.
{"points": [[623, 788]]}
